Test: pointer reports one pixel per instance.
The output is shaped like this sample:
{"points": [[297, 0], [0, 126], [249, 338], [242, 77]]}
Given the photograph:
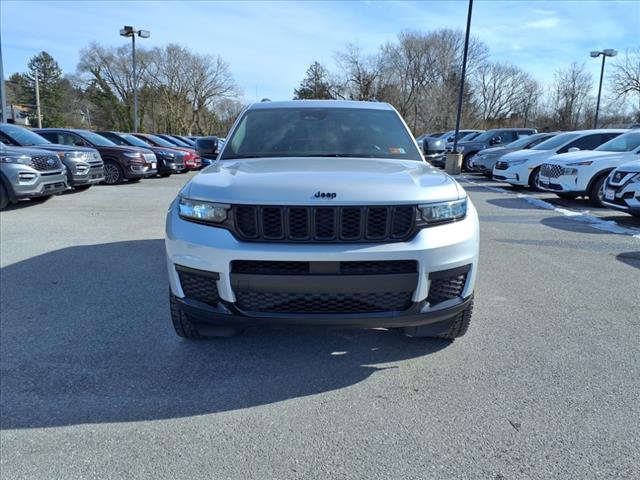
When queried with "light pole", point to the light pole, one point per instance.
{"points": [[3, 98], [609, 52], [129, 31]]}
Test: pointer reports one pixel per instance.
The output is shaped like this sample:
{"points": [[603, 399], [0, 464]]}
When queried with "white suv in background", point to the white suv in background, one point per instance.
{"points": [[583, 173], [622, 188], [523, 167]]}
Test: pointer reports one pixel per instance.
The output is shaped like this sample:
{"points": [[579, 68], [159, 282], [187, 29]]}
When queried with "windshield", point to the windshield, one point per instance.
{"points": [[178, 142], [22, 136], [135, 141], [483, 137], [624, 143], [161, 141], [529, 141], [321, 132], [469, 136], [190, 143], [96, 139], [557, 141]]}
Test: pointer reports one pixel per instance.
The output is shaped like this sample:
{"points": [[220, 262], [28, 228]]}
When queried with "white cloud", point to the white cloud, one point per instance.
{"points": [[543, 24]]}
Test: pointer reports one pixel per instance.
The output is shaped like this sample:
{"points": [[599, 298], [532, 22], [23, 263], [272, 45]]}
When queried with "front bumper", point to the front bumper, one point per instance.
{"points": [[141, 170], [515, 175], [482, 164], [26, 182], [89, 175], [435, 249], [572, 184], [625, 198]]}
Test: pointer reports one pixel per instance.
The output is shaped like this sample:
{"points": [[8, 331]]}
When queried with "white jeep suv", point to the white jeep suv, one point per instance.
{"points": [[522, 168], [584, 173], [321, 213]]}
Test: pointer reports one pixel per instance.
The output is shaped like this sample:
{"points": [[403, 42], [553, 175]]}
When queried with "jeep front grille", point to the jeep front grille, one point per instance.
{"points": [[199, 285], [447, 284], [324, 224]]}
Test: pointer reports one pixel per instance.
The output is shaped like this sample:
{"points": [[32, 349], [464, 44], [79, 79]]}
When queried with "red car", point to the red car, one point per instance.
{"points": [[191, 162]]}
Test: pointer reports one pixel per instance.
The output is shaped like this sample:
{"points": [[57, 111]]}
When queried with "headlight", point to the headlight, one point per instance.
{"points": [[165, 153], [580, 164], [73, 155], [202, 211], [570, 171], [443, 212], [511, 163], [14, 158], [132, 155]]}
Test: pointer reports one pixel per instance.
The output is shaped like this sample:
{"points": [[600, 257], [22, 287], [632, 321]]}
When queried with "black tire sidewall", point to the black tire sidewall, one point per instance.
{"points": [[120, 178]]}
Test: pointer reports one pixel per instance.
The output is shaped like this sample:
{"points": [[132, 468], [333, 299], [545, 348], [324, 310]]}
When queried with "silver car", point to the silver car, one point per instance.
{"points": [[484, 161], [29, 173]]}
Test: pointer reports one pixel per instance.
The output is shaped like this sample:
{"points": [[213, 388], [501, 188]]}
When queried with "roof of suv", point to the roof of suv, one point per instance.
{"points": [[321, 104]]}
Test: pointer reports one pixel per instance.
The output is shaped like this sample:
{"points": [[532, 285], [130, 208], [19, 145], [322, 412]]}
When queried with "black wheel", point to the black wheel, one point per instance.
{"points": [[596, 191], [113, 174], [41, 199], [4, 197], [82, 188], [458, 326], [135, 180], [533, 180], [186, 328], [567, 196], [465, 161]]}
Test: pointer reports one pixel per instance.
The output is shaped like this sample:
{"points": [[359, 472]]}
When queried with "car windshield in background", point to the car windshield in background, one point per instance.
{"points": [[469, 136], [485, 136], [530, 141], [321, 132], [556, 141], [96, 139], [133, 140], [23, 136], [180, 143], [624, 143], [162, 142]]}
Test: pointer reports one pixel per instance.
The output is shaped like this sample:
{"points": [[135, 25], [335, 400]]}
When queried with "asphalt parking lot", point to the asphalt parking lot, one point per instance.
{"points": [[94, 383]]}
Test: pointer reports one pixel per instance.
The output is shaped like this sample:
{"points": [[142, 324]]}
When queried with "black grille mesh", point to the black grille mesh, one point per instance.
{"points": [[41, 163], [446, 288], [324, 224], [323, 302], [263, 267], [199, 287]]}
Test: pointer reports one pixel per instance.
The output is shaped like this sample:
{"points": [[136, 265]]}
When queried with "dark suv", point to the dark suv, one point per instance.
{"points": [[131, 163], [169, 161], [490, 138], [84, 165]]}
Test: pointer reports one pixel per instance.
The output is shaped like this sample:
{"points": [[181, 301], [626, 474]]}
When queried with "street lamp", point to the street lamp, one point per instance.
{"points": [[609, 52], [129, 31]]}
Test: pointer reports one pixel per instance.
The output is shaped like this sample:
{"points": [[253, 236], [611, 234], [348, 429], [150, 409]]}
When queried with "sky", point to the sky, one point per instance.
{"points": [[269, 45]]}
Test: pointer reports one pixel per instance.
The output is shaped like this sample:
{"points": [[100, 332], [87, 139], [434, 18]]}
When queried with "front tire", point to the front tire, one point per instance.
{"points": [[533, 180], [465, 161], [458, 326], [596, 191], [113, 174], [4, 197]]}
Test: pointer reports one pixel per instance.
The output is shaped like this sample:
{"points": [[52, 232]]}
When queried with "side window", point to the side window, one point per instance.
{"points": [[51, 136], [506, 137], [8, 140], [588, 142], [65, 138]]}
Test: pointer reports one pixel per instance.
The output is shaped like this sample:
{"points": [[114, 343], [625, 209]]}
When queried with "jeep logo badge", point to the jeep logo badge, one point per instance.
{"points": [[328, 195]]}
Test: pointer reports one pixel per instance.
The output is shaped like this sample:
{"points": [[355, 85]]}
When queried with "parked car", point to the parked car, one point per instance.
{"points": [[186, 140], [29, 173], [174, 140], [622, 188], [84, 165], [522, 168], [471, 136], [583, 173], [484, 161], [191, 160], [333, 229], [490, 138], [169, 160], [120, 163]]}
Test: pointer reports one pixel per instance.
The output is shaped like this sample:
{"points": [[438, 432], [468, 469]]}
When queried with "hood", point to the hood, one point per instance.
{"points": [[54, 147], [492, 150], [520, 154], [569, 157], [633, 166], [295, 181], [25, 151], [121, 149]]}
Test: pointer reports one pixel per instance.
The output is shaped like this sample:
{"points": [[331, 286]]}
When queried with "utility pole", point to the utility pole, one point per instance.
{"points": [[38, 101], [129, 31], [609, 52], [3, 96]]}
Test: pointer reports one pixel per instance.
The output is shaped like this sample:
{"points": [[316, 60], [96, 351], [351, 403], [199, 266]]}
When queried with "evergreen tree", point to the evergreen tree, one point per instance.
{"points": [[316, 85], [51, 89]]}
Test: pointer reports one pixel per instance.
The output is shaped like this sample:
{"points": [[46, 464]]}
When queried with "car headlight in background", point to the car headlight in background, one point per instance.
{"points": [[580, 164], [15, 158], [202, 211], [132, 154], [444, 211], [78, 156]]}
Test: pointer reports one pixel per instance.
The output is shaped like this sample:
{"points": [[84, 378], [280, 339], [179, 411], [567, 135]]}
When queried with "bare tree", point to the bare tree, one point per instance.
{"points": [[625, 78], [360, 73], [569, 97]]}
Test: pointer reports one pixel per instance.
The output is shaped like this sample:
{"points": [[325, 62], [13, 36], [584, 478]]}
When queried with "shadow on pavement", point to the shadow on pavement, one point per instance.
{"points": [[629, 258], [512, 202], [86, 338]]}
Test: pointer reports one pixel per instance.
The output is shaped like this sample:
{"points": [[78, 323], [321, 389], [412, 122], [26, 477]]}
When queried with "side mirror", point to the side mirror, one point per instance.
{"points": [[207, 147], [573, 149], [496, 141]]}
